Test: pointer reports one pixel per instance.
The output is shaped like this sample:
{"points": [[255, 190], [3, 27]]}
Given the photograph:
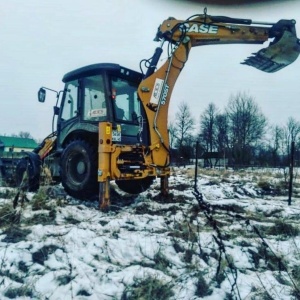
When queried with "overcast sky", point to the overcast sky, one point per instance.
{"points": [[43, 40]]}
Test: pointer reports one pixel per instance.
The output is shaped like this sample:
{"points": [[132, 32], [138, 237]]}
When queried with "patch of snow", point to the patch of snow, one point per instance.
{"points": [[84, 253]]}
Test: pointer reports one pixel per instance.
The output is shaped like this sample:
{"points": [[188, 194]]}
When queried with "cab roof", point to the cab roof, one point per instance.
{"points": [[96, 69]]}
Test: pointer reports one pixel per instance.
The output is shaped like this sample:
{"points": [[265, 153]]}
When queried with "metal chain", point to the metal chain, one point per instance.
{"points": [[208, 212], [208, 209]]}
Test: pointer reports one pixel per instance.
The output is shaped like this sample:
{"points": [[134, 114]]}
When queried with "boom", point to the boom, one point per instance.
{"points": [[199, 30]]}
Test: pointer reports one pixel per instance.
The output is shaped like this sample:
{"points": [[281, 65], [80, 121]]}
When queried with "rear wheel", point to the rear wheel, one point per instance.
{"points": [[135, 186], [79, 170]]}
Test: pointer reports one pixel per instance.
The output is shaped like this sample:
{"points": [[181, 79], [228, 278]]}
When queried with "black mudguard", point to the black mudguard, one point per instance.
{"points": [[28, 172]]}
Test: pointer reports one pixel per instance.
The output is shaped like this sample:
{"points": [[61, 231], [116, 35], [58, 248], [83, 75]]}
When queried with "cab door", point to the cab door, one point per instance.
{"points": [[69, 109], [94, 99], [127, 112]]}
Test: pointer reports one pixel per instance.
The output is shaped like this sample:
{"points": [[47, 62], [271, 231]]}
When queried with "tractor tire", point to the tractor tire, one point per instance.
{"points": [[135, 186], [79, 170], [28, 172]]}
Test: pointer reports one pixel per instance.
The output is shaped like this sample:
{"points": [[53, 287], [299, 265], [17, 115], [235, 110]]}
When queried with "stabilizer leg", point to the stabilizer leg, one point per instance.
{"points": [[104, 195]]}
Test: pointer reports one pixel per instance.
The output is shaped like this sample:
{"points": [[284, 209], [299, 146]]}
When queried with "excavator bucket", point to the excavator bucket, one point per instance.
{"points": [[278, 55]]}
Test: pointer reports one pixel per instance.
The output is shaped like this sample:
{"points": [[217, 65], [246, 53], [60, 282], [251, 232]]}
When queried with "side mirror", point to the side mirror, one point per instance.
{"points": [[42, 95]]}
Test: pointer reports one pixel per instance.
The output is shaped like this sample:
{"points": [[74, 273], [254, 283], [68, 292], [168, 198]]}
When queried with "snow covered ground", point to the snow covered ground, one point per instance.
{"points": [[236, 239]]}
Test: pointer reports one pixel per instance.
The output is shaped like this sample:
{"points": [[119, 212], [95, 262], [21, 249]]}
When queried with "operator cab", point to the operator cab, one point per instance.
{"points": [[103, 93]]}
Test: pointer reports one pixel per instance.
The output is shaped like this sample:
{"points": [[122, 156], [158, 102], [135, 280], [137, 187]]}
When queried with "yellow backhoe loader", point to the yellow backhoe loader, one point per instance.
{"points": [[112, 121]]}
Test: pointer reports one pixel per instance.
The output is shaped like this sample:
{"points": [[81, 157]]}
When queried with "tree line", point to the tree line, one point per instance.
{"points": [[21, 134], [240, 133]]}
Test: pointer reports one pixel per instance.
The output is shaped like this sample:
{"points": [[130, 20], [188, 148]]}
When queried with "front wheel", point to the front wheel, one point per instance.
{"points": [[79, 170]]}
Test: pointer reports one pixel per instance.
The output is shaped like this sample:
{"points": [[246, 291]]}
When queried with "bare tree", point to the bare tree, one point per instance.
{"points": [[222, 132], [275, 143], [291, 133], [172, 134], [293, 129], [184, 123], [23, 134], [247, 126], [184, 126], [208, 127]]}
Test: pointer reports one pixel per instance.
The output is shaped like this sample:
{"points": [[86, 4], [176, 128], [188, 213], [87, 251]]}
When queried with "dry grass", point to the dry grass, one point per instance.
{"points": [[8, 215], [148, 288]]}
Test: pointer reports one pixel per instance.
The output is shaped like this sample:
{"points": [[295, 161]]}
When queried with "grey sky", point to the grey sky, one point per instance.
{"points": [[43, 40]]}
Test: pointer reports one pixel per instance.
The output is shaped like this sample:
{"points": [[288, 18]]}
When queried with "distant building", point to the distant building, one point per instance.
{"points": [[15, 145], [11, 149]]}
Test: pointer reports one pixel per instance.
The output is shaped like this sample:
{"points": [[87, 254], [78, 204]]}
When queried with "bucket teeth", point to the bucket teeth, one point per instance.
{"points": [[262, 63]]}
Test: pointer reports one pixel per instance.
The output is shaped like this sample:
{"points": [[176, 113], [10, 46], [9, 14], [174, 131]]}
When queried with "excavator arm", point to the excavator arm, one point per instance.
{"points": [[146, 161], [199, 30], [210, 30]]}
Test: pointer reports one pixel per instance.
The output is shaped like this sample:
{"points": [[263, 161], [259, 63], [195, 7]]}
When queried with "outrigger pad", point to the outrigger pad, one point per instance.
{"points": [[278, 55]]}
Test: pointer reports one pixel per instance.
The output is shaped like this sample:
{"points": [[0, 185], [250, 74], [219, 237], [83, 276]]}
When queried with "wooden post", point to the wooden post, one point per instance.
{"points": [[196, 165], [164, 185], [291, 173]]}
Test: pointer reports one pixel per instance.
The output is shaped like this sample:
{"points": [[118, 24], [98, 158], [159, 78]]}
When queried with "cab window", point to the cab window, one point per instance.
{"points": [[94, 106], [70, 107], [126, 107]]}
